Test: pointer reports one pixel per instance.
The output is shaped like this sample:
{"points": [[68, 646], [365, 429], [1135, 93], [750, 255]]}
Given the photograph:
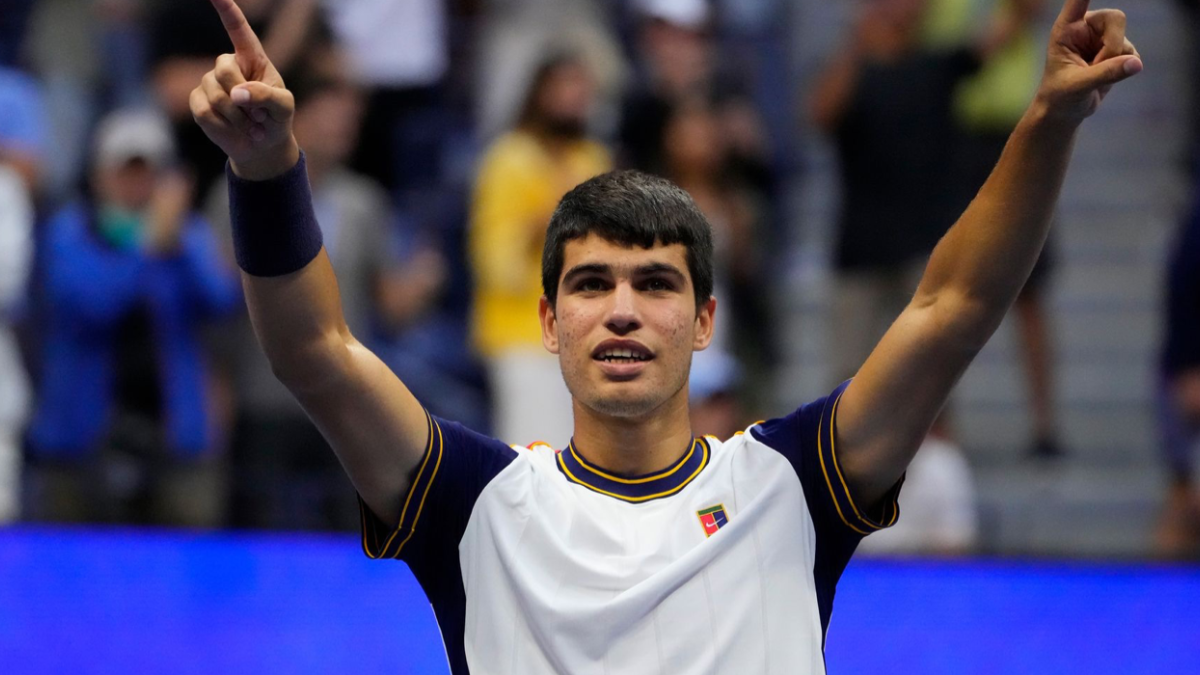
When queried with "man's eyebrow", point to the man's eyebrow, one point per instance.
{"points": [[587, 268], [659, 268]]}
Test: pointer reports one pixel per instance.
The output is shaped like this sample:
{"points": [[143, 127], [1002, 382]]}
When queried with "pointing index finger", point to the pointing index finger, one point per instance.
{"points": [[245, 42]]}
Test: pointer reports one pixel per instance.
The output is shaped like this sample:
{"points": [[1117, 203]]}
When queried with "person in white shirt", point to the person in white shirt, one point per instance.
{"points": [[638, 548]]}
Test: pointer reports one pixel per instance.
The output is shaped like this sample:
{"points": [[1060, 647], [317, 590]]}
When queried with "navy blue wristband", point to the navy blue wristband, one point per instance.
{"points": [[275, 230]]}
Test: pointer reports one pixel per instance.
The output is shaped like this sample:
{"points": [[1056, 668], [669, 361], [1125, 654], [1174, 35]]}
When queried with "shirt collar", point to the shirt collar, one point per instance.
{"points": [[635, 489]]}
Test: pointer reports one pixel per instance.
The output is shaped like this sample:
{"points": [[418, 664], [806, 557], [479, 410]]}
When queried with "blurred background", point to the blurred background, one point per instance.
{"points": [[148, 457]]}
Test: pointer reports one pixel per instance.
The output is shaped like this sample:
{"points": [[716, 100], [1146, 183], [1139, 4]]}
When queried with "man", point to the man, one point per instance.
{"points": [[618, 553]]}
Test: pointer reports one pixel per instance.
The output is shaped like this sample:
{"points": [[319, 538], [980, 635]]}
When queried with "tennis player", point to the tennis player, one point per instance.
{"points": [[637, 548]]}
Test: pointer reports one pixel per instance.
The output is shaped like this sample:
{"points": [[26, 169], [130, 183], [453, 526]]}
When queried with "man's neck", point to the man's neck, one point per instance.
{"points": [[634, 446]]}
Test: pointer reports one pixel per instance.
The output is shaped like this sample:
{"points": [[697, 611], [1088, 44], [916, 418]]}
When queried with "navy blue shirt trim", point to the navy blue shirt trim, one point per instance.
{"points": [[636, 489]]}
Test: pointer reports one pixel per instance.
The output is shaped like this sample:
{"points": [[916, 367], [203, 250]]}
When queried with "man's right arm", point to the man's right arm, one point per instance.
{"points": [[374, 424]]}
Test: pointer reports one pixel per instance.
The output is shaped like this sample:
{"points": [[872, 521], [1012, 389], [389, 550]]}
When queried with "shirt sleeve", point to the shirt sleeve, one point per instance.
{"points": [[808, 440], [457, 465]]}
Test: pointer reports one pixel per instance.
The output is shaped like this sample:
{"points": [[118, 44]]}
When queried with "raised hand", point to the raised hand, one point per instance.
{"points": [[1088, 54], [243, 106]]}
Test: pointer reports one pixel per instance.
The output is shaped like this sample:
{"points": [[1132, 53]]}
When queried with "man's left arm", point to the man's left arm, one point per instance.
{"points": [[980, 266]]}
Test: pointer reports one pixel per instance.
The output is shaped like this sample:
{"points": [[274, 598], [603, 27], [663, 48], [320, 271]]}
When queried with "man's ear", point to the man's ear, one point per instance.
{"points": [[705, 316], [549, 325]]}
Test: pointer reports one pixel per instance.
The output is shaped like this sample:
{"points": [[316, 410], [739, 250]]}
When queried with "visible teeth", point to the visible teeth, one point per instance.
{"points": [[622, 354]]}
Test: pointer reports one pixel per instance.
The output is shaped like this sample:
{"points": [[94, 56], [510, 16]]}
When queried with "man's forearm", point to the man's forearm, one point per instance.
{"points": [[290, 286], [298, 321], [985, 259]]}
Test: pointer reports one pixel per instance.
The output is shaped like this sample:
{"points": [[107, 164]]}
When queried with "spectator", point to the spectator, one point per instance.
{"points": [[122, 428], [22, 126], [398, 52], [677, 62], [22, 154], [286, 475], [887, 103], [1179, 397], [515, 35], [521, 178], [61, 52], [16, 253]]}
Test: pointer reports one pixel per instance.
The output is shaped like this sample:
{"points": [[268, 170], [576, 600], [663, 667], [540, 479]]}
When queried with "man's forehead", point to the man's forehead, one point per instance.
{"points": [[596, 250]]}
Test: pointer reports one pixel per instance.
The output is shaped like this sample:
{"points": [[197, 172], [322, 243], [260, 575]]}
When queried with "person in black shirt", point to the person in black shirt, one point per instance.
{"points": [[886, 102]]}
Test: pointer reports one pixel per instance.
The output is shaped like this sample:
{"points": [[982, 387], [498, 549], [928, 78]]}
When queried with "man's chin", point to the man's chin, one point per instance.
{"points": [[629, 405]]}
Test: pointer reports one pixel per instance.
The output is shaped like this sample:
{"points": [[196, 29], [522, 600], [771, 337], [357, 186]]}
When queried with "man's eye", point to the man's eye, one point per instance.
{"points": [[659, 285], [588, 285]]}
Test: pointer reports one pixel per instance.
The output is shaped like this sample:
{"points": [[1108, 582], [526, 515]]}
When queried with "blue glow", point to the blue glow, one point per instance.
{"points": [[126, 601]]}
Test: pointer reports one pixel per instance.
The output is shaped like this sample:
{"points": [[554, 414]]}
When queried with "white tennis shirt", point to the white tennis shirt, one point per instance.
{"points": [[538, 562]]}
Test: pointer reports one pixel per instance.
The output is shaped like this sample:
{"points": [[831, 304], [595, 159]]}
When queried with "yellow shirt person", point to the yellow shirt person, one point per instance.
{"points": [[518, 186]]}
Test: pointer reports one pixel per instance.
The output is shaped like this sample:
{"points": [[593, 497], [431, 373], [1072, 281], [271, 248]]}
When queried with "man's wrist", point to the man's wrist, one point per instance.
{"points": [[1042, 121], [1043, 114], [272, 165], [275, 230]]}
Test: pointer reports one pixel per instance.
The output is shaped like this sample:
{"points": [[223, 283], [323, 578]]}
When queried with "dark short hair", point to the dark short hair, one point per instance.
{"points": [[633, 209]]}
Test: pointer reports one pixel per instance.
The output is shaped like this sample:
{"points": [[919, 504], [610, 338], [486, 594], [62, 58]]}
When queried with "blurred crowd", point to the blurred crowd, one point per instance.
{"points": [[439, 136]]}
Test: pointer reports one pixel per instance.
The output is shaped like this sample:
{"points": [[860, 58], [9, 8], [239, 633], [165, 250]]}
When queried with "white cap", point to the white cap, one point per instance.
{"points": [[689, 14], [134, 134]]}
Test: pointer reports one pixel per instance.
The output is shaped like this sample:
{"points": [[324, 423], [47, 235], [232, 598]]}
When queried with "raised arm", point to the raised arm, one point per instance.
{"points": [[374, 424], [981, 264]]}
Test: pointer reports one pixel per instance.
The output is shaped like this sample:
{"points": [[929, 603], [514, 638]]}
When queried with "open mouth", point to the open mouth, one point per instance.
{"points": [[622, 352], [622, 356]]}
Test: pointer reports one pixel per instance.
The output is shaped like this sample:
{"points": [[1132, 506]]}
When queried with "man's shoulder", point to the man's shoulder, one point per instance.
{"points": [[805, 428]]}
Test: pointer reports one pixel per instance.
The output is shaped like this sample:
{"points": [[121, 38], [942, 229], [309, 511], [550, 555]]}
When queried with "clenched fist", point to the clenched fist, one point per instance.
{"points": [[243, 106]]}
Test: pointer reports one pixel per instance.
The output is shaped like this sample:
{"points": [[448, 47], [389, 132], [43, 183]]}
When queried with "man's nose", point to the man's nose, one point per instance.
{"points": [[623, 315]]}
